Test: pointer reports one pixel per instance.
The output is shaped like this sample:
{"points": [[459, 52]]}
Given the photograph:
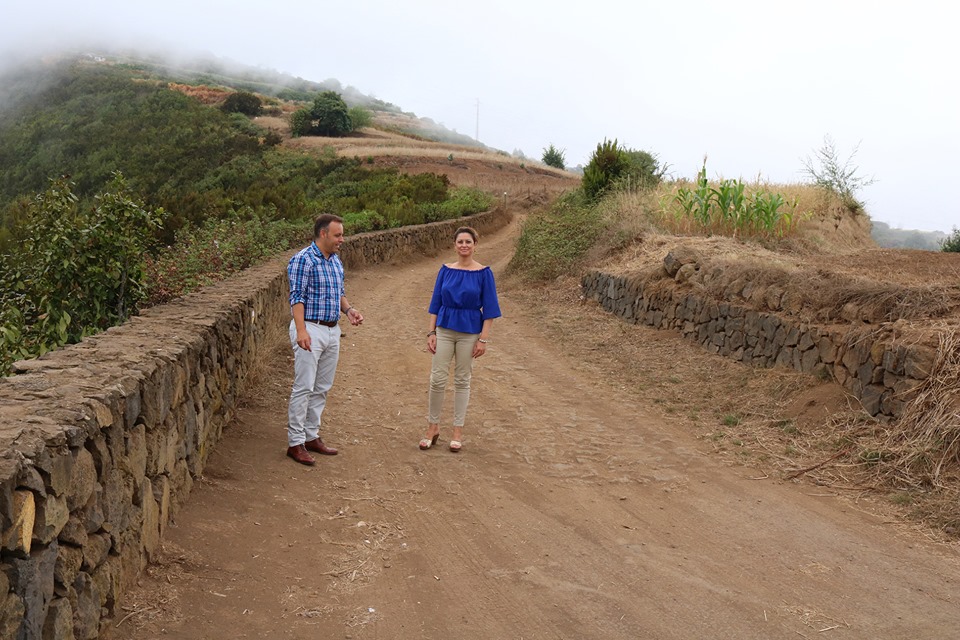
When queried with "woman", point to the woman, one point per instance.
{"points": [[462, 310]]}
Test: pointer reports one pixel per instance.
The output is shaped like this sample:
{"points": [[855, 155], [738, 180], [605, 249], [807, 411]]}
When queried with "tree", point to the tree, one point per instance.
{"points": [[330, 115], [835, 175], [243, 102], [553, 157]]}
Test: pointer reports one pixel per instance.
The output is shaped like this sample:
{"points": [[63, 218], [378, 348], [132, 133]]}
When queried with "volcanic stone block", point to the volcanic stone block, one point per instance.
{"points": [[32, 580], [67, 566], [52, 515], [82, 481], [11, 614], [59, 622], [86, 607], [19, 535], [918, 362], [96, 551]]}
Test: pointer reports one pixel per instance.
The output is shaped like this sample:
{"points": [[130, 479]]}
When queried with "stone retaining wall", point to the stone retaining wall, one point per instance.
{"points": [[877, 369], [101, 441]]}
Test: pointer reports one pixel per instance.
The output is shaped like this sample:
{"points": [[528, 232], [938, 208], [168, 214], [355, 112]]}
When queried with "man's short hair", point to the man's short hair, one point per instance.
{"points": [[323, 222]]}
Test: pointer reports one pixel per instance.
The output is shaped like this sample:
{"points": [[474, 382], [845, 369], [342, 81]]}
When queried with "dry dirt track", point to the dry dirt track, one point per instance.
{"points": [[570, 513]]}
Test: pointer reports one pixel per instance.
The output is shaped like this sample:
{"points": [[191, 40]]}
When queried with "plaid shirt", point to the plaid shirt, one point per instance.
{"points": [[316, 282]]}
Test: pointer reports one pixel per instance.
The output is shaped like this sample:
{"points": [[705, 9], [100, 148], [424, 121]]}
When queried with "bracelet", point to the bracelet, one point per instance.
{"points": [[431, 333], [482, 341], [347, 311]]}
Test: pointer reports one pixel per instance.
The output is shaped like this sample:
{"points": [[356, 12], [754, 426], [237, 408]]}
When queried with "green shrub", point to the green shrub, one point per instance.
{"points": [[607, 163], [300, 123], [553, 157], [643, 169], [77, 268], [951, 244], [360, 117], [243, 102], [363, 221], [215, 250]]}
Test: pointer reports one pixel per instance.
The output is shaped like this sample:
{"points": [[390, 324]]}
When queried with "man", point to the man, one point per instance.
{"points": [[316, 301]]}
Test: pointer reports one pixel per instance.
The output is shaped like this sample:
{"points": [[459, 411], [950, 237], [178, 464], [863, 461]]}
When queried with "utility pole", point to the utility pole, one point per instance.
{"points": [[477, 134]]}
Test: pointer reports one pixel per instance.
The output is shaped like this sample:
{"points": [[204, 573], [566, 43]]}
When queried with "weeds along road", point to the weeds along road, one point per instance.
{"points": [[573, 511]]}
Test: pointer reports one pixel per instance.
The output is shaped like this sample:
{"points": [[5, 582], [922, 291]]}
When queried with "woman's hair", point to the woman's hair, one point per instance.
{"points": [[473, 233]]}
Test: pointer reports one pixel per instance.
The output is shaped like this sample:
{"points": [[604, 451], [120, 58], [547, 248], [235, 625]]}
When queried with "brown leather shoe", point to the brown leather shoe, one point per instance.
{"points": [[299, 453], [317, 445]]}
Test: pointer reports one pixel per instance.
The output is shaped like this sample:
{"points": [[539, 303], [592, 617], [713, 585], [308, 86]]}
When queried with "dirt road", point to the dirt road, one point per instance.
{"points": [[574, 511]]}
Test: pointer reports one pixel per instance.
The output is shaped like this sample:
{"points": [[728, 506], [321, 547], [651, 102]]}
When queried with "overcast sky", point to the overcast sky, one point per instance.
{"points": [[754, 85]]}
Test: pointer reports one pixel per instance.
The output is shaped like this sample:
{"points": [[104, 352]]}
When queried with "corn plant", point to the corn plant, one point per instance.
{"points": [[731, 203], [728, 208]]}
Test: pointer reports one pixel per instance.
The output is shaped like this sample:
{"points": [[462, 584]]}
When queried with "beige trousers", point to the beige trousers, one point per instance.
{"points": [[456, 346]]}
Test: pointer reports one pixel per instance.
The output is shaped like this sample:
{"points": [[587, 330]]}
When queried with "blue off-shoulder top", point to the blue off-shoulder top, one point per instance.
{"points": [[463, 299]]}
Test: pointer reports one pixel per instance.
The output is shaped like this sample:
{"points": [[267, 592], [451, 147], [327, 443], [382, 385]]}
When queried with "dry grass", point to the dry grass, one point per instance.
{"points": [[924, 449]]}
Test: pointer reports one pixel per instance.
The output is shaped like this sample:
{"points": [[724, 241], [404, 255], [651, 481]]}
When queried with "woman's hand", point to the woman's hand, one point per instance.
{"points": [[432, 343], [479, 348]]}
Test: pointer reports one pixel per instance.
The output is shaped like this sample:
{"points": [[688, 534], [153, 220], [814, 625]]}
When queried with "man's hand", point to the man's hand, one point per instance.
{"points": [[354, 316], [303, 339]]}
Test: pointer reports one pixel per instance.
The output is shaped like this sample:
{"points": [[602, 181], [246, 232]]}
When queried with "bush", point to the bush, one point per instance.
{"points": [[363, 221], [243, 102], [360, 117], [553, 157], [643, 170], [838, 176], [300, 123], [607, 163], [76, 270], [216, 249], [951, 244]]}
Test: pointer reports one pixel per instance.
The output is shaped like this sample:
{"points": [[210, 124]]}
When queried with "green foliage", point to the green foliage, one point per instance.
{"points": [[728, 209], [360, 117], [952, 242], [328, 116], [92, 121], [643, 170], [216, 249], [300, 123], [463, 201], [553, 157], [363, 221], [607, 163], [243, 102], [76, 269], [554, 242], [841, 177]]}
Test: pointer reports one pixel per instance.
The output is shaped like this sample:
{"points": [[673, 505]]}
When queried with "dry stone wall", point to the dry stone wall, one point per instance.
{"points": [[877, 369], [100, 442]]}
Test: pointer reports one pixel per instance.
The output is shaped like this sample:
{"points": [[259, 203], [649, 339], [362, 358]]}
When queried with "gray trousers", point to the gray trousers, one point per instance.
{"points": [[313, 373], [456, 346]]}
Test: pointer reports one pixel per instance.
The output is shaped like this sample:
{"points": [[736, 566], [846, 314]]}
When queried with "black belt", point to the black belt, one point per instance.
{"points": [[331, 323]]}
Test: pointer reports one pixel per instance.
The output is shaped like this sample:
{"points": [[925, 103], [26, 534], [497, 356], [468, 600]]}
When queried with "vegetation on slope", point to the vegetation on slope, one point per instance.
{"points": [[204, 190]]}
